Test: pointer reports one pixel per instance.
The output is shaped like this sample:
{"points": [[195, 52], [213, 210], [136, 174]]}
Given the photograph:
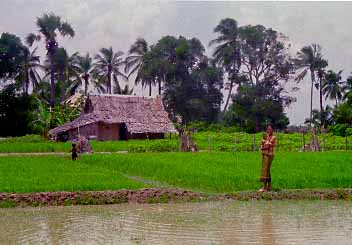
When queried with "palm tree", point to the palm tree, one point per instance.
{"points": [[136, 62], [126, 90], [85, 68], [333, 86], [347, 88], [321, 118], [309, 58], [29, 70], [135, 56], [319, 85], [50, 25], [227, 52], [66, 75], [107, 68], [149, 72], [66, 70]]}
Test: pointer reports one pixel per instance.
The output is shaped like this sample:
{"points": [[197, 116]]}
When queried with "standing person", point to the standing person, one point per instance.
{"points": [[74, 152], [267, 148]]}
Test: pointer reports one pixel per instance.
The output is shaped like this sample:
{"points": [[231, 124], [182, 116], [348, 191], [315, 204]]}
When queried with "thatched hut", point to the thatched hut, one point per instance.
{"points": [[117, 117]]}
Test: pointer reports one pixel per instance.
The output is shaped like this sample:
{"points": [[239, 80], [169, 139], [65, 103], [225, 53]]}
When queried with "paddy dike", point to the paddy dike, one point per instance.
{"points": [[161, 195]]}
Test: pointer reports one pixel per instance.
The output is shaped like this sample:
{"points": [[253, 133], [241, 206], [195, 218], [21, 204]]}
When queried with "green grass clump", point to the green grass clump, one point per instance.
{"points": [[30, 138], [160, 145], [7, 204], [206, 172], [54, 173], [35, 147]]}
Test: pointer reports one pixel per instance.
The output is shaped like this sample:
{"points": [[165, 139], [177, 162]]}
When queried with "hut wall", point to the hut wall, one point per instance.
{"points": [[147, 136], [108, 131], [86, 131]]}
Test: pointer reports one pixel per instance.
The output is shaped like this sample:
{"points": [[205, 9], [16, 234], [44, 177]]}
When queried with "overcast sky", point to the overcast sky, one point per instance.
{"points": [[105, 23]]}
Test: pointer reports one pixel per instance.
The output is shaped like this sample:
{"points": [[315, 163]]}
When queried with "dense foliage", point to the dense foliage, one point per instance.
{"points": [[15, 112], [253, 113], [191, 82], [256, 59], [11, 55]]}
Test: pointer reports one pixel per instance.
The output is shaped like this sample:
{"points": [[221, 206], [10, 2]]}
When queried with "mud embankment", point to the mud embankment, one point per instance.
{"points": [[157, 195]]}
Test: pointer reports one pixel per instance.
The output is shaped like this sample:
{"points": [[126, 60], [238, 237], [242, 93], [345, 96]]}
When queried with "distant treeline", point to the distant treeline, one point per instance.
{"points": [[252, 62]]}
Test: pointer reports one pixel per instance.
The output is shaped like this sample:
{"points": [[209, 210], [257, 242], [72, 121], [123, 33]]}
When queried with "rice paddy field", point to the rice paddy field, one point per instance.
{"points": [[208, 172], [209, 141]]}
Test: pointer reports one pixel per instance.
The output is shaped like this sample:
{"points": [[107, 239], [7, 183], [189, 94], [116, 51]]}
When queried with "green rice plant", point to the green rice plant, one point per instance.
{"points": [[57, 173], [211, 172]]}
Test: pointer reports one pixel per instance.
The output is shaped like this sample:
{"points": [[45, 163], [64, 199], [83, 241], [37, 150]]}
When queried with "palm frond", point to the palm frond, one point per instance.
{"points": [[31, 38], [301, 76], [66, 29]]}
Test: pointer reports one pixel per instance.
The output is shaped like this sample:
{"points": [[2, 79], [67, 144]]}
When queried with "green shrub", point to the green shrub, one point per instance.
{"points": [[29, 138]]}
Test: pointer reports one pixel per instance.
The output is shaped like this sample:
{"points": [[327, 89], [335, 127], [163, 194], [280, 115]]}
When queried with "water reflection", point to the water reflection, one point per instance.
{"points": [[277, 222], [268, 231]]}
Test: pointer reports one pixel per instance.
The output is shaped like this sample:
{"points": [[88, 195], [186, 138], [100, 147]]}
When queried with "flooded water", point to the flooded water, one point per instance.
{"points": [[276, 222]]}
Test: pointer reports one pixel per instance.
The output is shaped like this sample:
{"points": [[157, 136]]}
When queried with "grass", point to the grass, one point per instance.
{"points": [[214, 141], [206, 172], [97, 146], [53, 173]]}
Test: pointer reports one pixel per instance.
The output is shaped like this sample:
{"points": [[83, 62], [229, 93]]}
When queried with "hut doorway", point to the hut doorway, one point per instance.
{"points": [[123, 131]]}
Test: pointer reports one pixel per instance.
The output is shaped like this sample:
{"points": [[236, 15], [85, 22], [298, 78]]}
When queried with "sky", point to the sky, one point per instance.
{"points": [[118, 23]]}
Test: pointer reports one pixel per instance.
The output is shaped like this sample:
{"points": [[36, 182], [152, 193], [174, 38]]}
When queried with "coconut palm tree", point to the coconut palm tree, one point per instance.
{"points": [[319, 85], [85, 69], [29, 70], [50, 26], [310, 59], [126, 90], [321, 118], [136, 62], [66, 69], [347, 88], [135, 56], [149, 72], [227, 52], [107, 69], [66, 76], [333, 86]]}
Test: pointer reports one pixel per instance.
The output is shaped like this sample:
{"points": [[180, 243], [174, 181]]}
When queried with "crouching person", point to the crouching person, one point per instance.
{"points": [[74, 152]]}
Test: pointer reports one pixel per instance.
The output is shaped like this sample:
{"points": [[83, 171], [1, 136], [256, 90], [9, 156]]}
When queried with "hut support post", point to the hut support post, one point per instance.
{"points": [[304, 141], [254, 142]]}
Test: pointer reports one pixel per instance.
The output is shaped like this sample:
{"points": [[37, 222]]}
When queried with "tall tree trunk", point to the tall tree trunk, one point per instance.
{"points": [[159, 84], [52, 80], [321, 98], [150, 89], [86, 86], [257, 125], [311, 95], [109, 80], [26, 81], [228, 97], [321, 103]]}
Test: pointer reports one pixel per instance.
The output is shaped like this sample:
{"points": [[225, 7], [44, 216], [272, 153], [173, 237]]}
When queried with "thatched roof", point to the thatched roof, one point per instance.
{"points": [[141, 114]]}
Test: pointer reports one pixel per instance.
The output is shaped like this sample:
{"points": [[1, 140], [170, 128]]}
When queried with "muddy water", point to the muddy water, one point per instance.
{"points": [[276, 222]]}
